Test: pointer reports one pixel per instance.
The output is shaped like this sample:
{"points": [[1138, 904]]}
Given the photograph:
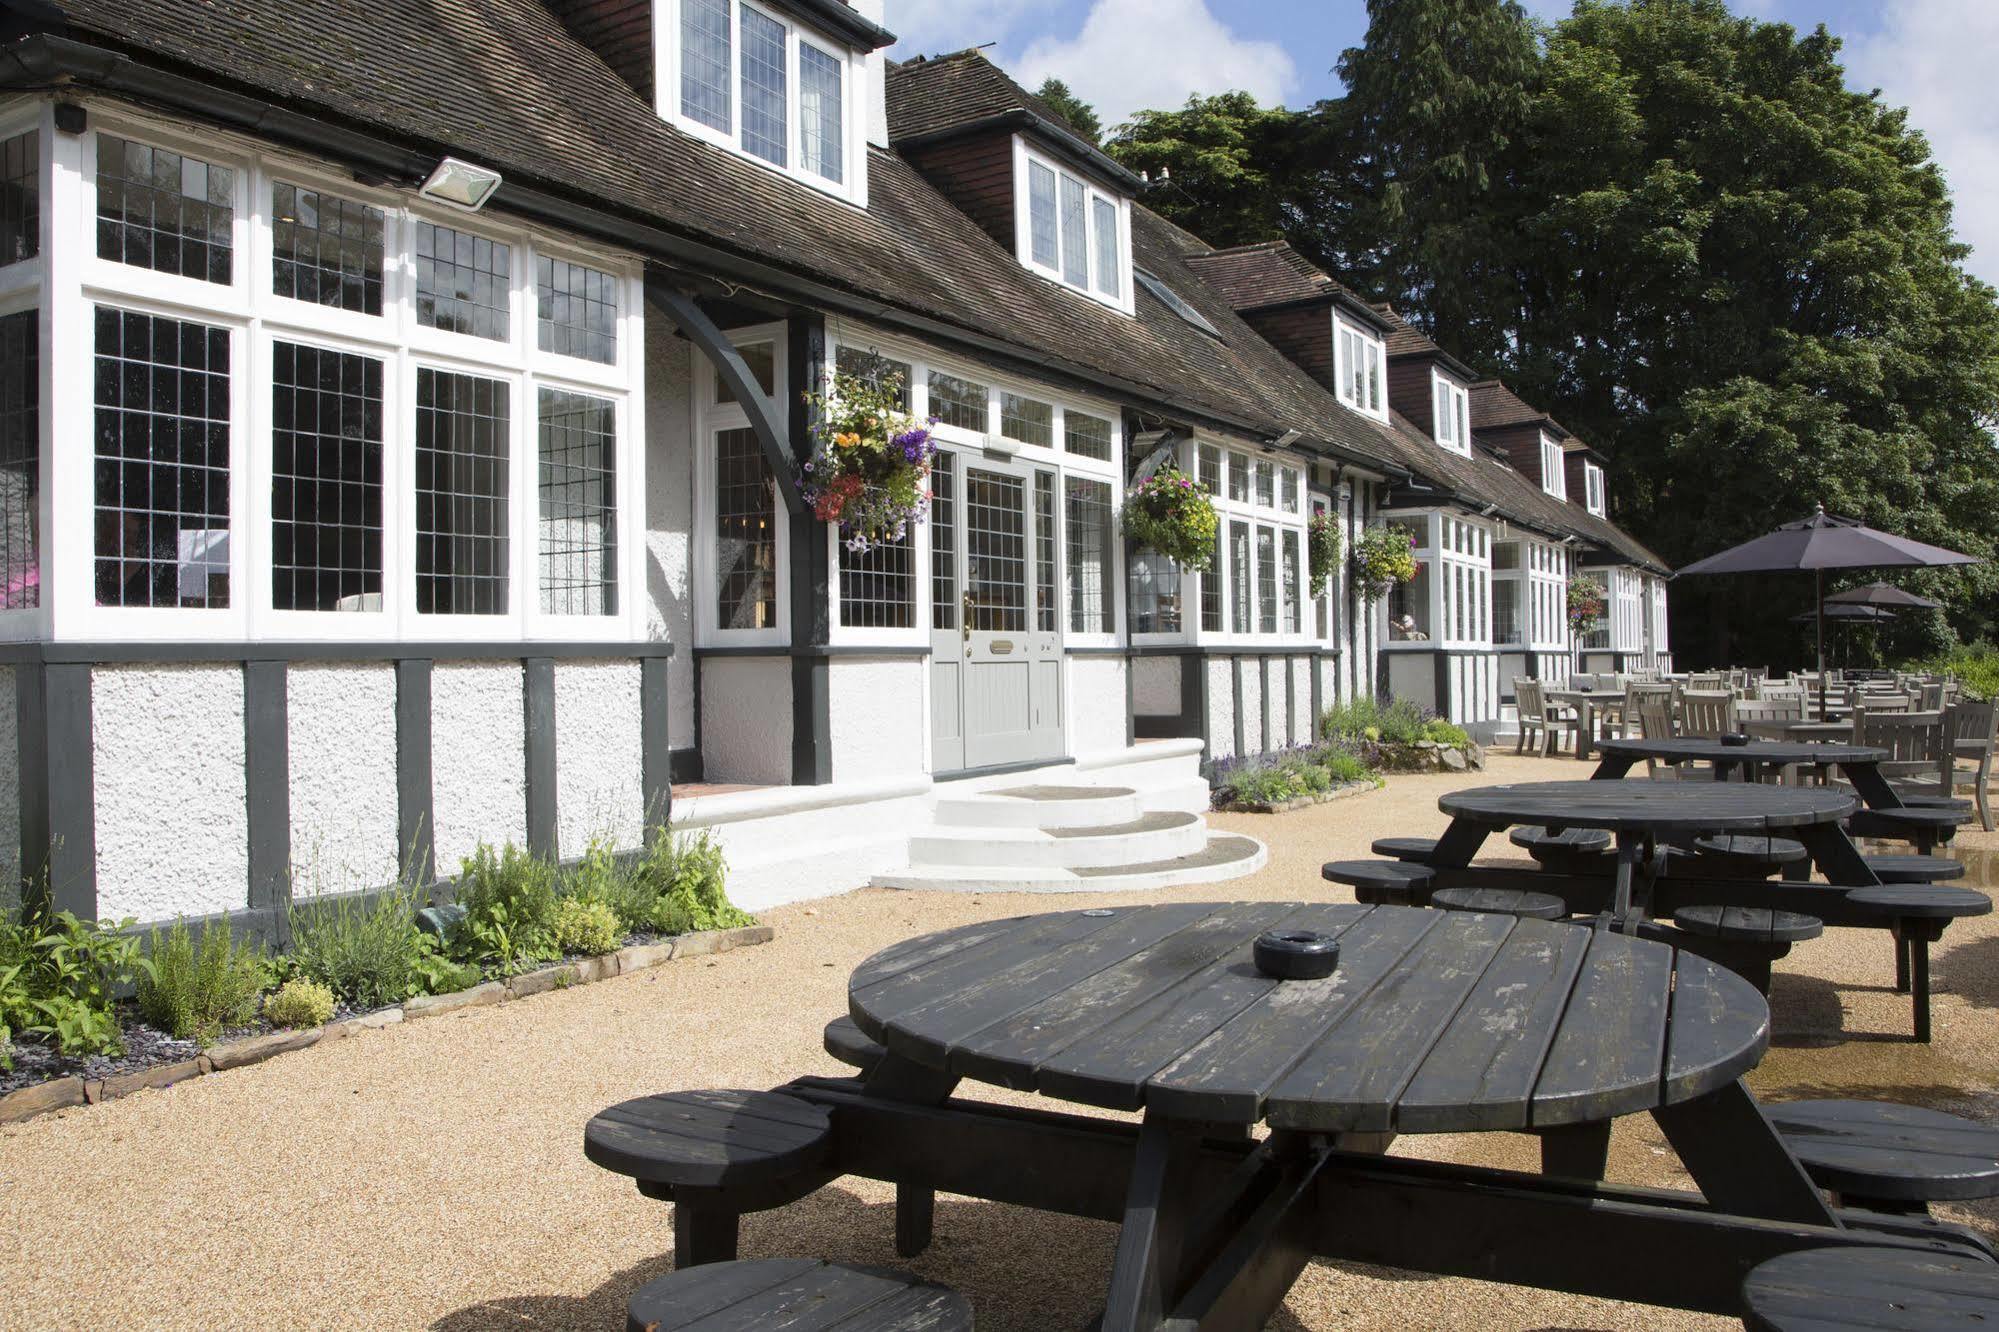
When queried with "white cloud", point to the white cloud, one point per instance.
{"points": [[935, 27], [1935, 57], [1132, 55]]}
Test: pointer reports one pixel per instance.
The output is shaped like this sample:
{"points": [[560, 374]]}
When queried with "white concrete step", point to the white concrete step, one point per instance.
{"points": [[1041, 806], [1165, 835], [1192, 794], [1224, 856]]}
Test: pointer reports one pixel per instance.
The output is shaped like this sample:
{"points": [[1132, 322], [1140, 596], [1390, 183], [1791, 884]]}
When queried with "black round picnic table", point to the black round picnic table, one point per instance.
{"points": [[1860, 764]]}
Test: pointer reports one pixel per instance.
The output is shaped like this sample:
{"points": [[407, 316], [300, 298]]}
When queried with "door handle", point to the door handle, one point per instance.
{"points": [[965, 615]]}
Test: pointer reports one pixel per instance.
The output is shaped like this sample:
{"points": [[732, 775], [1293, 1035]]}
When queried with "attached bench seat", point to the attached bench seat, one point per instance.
{"points": [[1501, 902], [1722, 856], [1570, 851], [1917, 914], [1382, 882], [1914, 869], [1924, 821], [1887, 1157], [714, 1155], [1851, 1286], [795, 1293], [846, 1042], [1746, 940], [1416, 850]]}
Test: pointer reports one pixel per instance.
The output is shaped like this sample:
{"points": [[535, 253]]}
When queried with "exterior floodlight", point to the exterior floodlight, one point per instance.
{"points": [[1289, 438], [461, 184]]}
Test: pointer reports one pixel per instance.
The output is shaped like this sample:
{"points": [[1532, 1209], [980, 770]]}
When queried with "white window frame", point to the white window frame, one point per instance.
{"points": [[1246, 459], [1457, 552], [921, 361], [853, 108], [257, 319], [1348, 337], [22, 287], [1023, 228], [1450, 407], [1554, 467], [712, 417], [1543, 594], [1593, 489]]}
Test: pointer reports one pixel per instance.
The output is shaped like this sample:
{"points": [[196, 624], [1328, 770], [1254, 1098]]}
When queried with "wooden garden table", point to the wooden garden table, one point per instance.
{"points": [[1433, 1022], [1860, 764], [1586, 702]]}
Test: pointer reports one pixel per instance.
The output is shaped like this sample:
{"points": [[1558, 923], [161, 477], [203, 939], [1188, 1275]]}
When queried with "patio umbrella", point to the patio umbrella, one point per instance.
{"points": [[1880, 595], [1847, 611], [1823, 542]]}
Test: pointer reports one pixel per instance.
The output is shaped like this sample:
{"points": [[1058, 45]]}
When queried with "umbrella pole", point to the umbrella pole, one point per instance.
{"points": [[1820, 576]]}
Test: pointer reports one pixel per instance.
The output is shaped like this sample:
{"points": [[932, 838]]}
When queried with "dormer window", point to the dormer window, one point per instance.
{"points": [[756, 83], [1593, 488], [1359, 374], [1071, 231], [1452, 407], [1552, 478]]}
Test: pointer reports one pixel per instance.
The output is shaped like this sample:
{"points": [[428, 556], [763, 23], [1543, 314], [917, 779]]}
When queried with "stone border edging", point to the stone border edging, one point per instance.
{"points": [[62, 1093]]}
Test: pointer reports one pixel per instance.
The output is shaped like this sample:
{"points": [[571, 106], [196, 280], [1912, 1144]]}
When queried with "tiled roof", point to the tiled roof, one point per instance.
{"points": [[934, 96], [1493, 406], [1269, 273]]}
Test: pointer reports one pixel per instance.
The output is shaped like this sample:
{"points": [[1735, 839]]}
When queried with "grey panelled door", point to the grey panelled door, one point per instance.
{"points": [[996, 684]]}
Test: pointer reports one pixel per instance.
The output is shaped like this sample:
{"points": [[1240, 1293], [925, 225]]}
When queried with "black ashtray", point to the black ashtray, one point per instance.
{"points": [[1735, 739], [1834, 717], [1296, 954]]}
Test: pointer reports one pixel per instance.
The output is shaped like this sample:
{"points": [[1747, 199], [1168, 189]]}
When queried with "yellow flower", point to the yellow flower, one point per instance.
{"points": [[846, 439]]}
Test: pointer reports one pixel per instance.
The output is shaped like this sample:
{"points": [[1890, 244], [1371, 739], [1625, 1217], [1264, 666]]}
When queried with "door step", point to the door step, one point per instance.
{"points": [[1045, 807], [1149, 838], [1224, 856]]}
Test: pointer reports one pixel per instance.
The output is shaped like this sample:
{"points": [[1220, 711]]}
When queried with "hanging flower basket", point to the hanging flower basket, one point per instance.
{"points": [[1586, 606], [1322, 551], [870, 466], [1383, 558], [1174, 515]]}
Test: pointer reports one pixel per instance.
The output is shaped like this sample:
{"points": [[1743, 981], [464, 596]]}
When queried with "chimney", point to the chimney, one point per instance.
{"points": [[873, 95]]}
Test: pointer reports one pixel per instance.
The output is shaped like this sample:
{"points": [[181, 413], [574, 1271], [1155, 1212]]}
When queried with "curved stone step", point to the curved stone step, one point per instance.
{"points": [[1163, 835], [1042, 806], [1225, 856]]}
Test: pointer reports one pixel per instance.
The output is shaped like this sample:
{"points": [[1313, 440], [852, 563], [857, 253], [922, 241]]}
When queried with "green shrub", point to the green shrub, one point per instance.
{"points": [[587, 927], [509, 900], [1257, 782], [1307, 776], [1344, 767], [1976, 666], [437, 972], [369, 953], [688, 873], [196, 990], [1446, 733], [600, 878], [299, 1003], [65, 974]]}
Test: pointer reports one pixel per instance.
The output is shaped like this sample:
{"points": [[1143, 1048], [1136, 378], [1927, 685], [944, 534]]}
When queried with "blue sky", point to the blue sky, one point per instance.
{"points": [[1933, 56]]}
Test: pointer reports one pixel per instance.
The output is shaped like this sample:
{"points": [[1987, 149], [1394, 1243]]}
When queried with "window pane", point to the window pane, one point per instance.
{"points": [[943, 545], [996, 550], [576, 310], [1239, 477], [704, 62], [1287, 489], [874, 368], [1091, 534], [760, 358], [325, 249], [462, 282], [1041, 213], [1026, 420], [1294, 593], [958, 402], [1409, 606], [1044, 552], [1208, 459], [1266, 580], [821, 113], [745, 537], [20, 460], [878, 588], [1075, 238], [162, 461], [1240, 568], [462, 491], [578, 443], [20, 197], [1266, 483], [1211, 593], [1110, 275], [1086, 436], [326, 480], [1154, 594], [1373, 376], [765, 106], [160, 210]]}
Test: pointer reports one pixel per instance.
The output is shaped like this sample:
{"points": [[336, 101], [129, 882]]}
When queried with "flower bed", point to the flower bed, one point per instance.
{"points": [[1290, 779], [1399, 736]]}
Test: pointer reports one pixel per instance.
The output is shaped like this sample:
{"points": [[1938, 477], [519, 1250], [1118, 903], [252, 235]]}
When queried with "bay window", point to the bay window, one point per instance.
{"points": [[318, 412], [1451, 404], [1071, 231], [1360, 370], [1254, 587], [755, 82], [1450, 601]]}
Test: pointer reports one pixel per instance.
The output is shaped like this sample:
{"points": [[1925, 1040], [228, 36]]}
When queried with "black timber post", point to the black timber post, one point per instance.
{"points": [[58, 787], [655, 747], [1440, 678], [811, 672], [538, 711], [267, 790], [1235, 705], [1318, 695], [416, 835], [1194, 699]]}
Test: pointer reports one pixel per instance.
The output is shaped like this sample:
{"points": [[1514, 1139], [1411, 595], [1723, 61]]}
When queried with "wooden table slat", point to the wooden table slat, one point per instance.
{"points": [[950, 967], [1607, 1057], [1710, 1007], [927, 948], [1650, 807]]}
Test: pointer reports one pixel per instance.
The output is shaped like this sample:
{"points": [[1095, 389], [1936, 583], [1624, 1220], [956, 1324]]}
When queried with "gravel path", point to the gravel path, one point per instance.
{"points": [[431, 1175]]}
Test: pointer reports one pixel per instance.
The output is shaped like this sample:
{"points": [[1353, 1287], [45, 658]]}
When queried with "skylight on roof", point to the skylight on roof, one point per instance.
{"points": [[1171, 300]]}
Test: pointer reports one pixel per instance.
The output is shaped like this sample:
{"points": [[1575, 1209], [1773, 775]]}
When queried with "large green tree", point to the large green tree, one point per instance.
{"points": [[1082, 117], [1228, 168]]}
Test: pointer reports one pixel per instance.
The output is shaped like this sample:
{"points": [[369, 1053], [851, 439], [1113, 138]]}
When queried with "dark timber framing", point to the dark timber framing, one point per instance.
{"points": [[811, 572], [415, 835], [538, 744], [766, 421], [267, 790], [58, 788]]}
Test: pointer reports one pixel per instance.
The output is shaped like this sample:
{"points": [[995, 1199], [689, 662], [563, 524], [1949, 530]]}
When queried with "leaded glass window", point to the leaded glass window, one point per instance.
{"points": [[463, 282], [1266, 580], [1026, 420], [958, 402], [1092, 536], [577, 442], [1086, 436], [745, 534], [766, 108], [20, 197], [325, 250], [576, 310], [1075, 239], [705, 60], [1041, 214], [1104, 236], [462, 493], [821, 113], [326, 479], [20, 460], [163, 210]]}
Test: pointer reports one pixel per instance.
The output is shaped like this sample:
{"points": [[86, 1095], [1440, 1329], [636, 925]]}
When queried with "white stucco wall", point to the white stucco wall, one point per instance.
{"points": [[10, 781], [1155, 686], [342, 747], [746, 719], [1221, 708], [1253, 741], [1303, 730], [167, 756], [876, 716], [478, 757], [669, 515], [599, 761], [1097, 704]]}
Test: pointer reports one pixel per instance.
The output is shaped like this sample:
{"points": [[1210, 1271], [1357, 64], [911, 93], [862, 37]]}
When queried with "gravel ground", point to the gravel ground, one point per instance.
{"points": [[430, 1175]]}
